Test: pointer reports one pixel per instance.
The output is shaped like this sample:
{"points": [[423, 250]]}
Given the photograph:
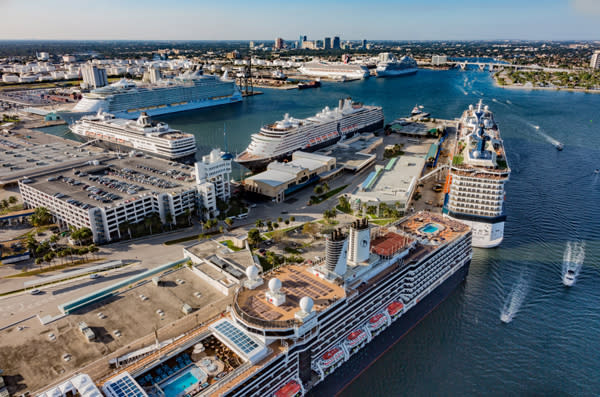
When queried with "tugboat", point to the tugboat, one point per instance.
{"points": [[310, 84]]}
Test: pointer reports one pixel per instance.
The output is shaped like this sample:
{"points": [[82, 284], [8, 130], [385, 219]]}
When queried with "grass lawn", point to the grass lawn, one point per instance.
{"points": [[43, 270], [230, 245]]}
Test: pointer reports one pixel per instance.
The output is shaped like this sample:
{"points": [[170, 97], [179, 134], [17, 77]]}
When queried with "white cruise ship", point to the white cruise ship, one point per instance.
{"points": [[191, 90], [156, 139], [475, 184], [389, 66], [289, 330], [279, 140], [334, 70]]}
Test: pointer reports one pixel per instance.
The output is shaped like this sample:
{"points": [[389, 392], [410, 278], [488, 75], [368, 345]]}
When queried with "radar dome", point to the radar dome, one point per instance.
{"points": [[306, 304], [476, 154], [252, 272], [274, 285]]}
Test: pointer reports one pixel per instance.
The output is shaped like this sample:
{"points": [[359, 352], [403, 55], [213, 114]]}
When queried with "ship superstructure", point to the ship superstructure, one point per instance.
{"points": [[190, 90], [279, 140], [155, 138], [388, 65], [475, 185], [294, 326]]}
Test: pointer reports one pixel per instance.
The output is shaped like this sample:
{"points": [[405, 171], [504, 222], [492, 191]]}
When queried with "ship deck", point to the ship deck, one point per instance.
{"points": [[297, 282], [447, 229]]}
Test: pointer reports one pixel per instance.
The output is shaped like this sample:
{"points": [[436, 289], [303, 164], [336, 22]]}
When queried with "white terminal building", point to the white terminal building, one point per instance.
{"points": [[212, 178], [103, 195]]}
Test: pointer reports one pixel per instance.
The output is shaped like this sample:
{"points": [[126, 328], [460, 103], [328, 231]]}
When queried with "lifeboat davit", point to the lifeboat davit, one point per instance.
{"points": [[331, 357], [355, 337], [377, 321]]}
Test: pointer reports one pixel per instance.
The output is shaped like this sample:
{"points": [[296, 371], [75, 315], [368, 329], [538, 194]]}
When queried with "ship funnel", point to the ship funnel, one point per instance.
{"points": [[336, 252], [359, 241]]}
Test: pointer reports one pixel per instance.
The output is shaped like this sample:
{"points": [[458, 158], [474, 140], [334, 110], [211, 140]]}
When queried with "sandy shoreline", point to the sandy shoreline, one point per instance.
{"points": [[522, 87]]}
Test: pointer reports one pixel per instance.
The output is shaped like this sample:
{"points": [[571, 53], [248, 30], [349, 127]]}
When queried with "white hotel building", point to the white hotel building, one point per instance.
{"points": [[212, 177]]}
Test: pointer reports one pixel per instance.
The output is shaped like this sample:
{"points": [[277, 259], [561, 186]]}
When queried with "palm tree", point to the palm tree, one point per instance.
{"points": [[259, 223], [318, 190], [169, 219], [148, 223], [229, 222], [125, 225], [188, 215], [41, 216], [325, 187], [31, 244], [12, 199], [93, 249]]}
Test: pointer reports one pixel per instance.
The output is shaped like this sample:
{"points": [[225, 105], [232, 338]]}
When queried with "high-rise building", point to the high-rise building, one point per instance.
{"points": [[279, 43], [327, 43], [364, 43], [336, 43], [301, 41], [212, 177], [595, 61], [439, 60], [251, 45], [93, 77]]}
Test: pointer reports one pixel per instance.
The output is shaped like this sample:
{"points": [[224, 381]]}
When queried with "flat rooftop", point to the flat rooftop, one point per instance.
{"points": [[354, 153], [297, 282], [20, 158], [127, 179]]}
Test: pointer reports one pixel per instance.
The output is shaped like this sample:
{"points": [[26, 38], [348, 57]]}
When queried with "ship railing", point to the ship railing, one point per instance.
{"points": [[239, 312], [224, 380]]}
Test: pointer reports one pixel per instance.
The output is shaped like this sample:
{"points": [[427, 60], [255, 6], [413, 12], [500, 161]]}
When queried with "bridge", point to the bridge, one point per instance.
{"points": [[492, 66]]}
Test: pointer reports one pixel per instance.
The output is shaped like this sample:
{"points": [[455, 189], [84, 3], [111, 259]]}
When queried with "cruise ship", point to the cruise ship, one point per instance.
{"points": [[279, 140], [156, 139], [389, 66], [475, 184], [291, 328], [334, 70], [190, 90]]}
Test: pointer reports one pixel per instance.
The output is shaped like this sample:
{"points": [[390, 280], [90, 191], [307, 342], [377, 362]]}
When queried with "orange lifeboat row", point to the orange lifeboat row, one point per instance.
{"points": [[377, 321], [356, 337], [331, 357]]}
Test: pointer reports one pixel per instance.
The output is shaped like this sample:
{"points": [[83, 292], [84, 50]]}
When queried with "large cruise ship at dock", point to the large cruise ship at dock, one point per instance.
{"points": [[291, 328], [475, 184], [334, 70], [154, 138], [279, 140], [389, 66], [190, 90]]}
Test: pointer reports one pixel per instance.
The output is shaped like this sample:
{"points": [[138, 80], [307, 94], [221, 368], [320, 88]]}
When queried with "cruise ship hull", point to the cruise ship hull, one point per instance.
{"points": [[347, 373], [260, 164], [485, 234], [396, 73], [157, 111], [186, 159]]}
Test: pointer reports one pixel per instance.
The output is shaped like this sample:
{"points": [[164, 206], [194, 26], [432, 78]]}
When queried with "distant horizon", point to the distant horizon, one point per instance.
{"points": [[290, 40], [188, 20]]}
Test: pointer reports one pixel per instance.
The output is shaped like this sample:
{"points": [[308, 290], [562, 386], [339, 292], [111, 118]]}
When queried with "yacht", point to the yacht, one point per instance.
{"points": [[569, 277]]}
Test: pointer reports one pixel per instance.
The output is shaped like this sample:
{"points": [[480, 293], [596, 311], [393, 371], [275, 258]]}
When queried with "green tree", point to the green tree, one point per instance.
{"points": [[292, 219], [280, 219], [148, 223], [287, 221], [93, 249], [259, 223], [5, 203], [254, 237], [221, 229], [31, 245], [12, 199], [275, 225], [318, 190], [41, 216], [229, 222]]}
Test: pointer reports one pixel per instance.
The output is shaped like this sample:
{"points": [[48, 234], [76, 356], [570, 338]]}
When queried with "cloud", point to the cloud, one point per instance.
{"points": [[587, 7]]}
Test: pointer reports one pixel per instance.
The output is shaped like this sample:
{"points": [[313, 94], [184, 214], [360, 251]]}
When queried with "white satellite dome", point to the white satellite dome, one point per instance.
{"points": [[476, 154], [306, 304], [275, 285], [252, 272]]}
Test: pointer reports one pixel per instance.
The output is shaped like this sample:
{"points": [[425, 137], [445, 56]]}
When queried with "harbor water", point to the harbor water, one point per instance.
{"points": [[550, 346]]}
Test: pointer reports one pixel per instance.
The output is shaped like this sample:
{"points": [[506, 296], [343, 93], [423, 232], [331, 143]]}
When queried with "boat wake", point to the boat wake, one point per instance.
{"points": [[514, 300], [509, 102], [573, 258], [463, 91], [548, 138]]}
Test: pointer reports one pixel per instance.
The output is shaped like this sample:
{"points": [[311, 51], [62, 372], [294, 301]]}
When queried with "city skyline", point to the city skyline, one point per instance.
{"points": [[236, 20]]}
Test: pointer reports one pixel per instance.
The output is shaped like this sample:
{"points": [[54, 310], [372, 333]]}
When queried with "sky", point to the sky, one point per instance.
{"points": [[267, 19]]}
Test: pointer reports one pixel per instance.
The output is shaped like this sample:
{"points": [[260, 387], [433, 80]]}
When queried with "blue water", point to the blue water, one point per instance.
{"points": [[180, 384], [429, 228], [551, 345]]}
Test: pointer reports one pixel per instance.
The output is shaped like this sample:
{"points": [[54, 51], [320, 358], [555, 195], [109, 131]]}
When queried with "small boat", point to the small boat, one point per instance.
{"points": [[311, 84], [416, 111], [597, 171], [569, 278], [559, 146]]}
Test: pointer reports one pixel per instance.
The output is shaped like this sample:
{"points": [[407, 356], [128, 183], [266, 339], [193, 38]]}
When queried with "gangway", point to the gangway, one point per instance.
{"points": [[87, 143], [431, 173]]}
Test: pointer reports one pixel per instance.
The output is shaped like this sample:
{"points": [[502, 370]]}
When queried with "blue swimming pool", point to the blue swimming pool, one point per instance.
{"points": [[430, 228], [182, 382]]}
